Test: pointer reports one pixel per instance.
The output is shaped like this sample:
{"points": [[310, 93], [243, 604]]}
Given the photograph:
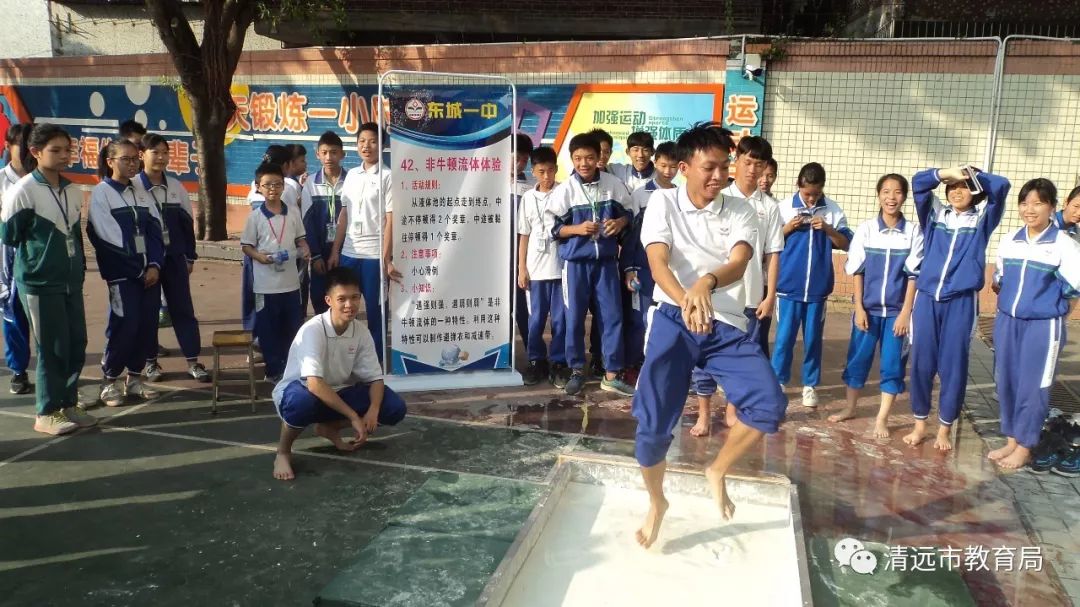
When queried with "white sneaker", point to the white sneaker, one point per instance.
{"points": [[809, 397], [111, 395], [55, 423], [80, 418], [135, 387]]}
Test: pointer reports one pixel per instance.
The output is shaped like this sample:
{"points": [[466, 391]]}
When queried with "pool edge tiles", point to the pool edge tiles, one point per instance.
{"points": [[436, 549]]}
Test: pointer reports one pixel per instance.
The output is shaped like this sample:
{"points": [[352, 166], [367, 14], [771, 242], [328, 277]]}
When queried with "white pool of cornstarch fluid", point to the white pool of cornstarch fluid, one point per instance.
{"points": [[587, 554]]}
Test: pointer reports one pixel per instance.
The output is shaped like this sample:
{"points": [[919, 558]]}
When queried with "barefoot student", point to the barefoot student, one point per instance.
{"points": [[333, 378], [42, 220], [1038, 270], [951, 275], [698, 242], [883, 257]]}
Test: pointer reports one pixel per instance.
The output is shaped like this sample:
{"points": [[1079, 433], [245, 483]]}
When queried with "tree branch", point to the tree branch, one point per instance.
{"points": [[175, 32], [237, 31]]}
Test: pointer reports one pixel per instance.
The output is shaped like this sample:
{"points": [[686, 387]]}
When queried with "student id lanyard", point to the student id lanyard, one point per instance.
{"points": [[594, 205], [70, 240], [161, 210], [278, 237], [543, 240], [331, 204], [140, 240]]}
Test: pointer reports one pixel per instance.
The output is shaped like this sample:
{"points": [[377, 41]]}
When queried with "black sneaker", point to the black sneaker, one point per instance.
{"points": [[1051, 449], [20, 384], [536, 371], [576, 383], [596, 369], [560, 374], [1069, 465]]}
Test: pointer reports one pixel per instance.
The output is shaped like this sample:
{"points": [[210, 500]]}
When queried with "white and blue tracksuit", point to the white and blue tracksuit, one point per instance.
{"points": [[632, 258], [632, 178], [16, 325], [591, 269], [320, 204], [125, 230], [805, 281], [886, 259], [178, 235], [1037, 276], [1071, 229], [947, 297]]}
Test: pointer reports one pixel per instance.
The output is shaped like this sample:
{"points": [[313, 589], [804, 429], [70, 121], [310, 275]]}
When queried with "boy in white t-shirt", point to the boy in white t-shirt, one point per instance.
{"points": [[273, 238], [540, 276], [361, 223], [699, 242], [333, 378]]}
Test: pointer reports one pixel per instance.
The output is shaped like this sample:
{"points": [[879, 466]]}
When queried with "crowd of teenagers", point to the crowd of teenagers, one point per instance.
{"points": [[681, 283], [610, 239]]}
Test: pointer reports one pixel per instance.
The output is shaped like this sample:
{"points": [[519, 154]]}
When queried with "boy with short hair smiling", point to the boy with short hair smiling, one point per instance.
{"points": [[333, 378], [320, 204], [698, 241], [639, 147], [273, 239], [588, 212], [357, 246]]}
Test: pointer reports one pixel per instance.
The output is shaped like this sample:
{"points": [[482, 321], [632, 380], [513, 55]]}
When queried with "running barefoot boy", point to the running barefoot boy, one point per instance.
{"points": [[698, 242], [333, 378]]}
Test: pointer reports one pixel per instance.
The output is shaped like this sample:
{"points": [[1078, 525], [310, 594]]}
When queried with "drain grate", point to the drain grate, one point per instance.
{"points": [[1064, 397]]}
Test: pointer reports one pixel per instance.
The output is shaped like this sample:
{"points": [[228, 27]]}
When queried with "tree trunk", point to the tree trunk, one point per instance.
{"points": [[210, 135]]}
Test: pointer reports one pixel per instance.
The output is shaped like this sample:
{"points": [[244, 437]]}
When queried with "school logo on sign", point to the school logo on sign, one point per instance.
{"points": [[414, 109]]}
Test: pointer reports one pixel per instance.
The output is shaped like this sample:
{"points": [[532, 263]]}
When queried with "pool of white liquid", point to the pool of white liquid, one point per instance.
{"points": [[587, 554]]}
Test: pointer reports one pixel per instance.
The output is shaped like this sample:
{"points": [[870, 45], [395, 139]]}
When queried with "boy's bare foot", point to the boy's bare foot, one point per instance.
{"points": [[1017, 459], [651, 528], [943, 442], [283, 467], [1002, 453], [729, 416], [701, 428], [917, 435], [333, 435], [846, 414], [719, 491], [881, 427]]}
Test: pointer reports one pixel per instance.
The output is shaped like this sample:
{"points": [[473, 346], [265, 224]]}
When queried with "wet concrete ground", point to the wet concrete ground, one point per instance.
{"points": [[167, 504]]}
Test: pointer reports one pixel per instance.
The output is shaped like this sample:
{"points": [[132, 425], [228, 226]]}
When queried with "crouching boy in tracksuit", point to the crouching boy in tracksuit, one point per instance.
{"points": [[955, 236], [698, 242], [588, 212]]}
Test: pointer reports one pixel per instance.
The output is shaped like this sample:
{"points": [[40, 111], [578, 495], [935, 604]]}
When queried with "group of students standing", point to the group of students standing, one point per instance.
{"points": [[140, 225], [583, 250]]}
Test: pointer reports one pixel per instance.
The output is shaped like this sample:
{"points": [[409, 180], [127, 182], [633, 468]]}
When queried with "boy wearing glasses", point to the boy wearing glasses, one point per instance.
{"points": [[274, 239]]}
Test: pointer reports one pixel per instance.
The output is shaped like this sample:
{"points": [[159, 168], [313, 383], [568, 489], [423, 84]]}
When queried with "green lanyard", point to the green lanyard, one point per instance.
{"points": [[331, 202], [592, 201]]}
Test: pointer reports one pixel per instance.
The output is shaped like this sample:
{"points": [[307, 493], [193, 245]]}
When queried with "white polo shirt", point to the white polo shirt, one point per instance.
{"points": [[268, 233], [542, 258], [769, 238], [340, 360], [360, 196], [700, 241]]}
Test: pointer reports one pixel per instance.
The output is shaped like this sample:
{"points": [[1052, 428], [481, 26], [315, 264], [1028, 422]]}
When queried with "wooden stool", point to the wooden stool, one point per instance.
{"points": [[233, 340]]}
